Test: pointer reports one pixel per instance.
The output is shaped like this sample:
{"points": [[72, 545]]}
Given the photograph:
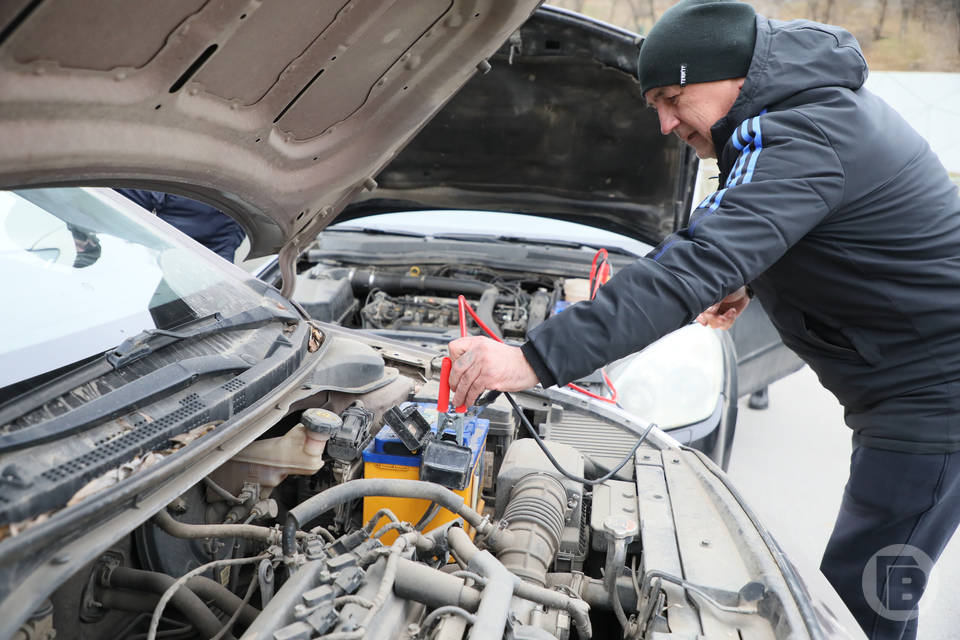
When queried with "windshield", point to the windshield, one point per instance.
{"points": [[85, 269], [494, 224]]}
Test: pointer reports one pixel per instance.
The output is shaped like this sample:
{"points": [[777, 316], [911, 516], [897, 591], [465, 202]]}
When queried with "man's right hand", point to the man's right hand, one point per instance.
{"points": [[723, 314], [480, 364]]}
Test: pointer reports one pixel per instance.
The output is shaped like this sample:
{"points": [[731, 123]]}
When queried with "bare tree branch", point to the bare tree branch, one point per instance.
{"points": [[878, 28], [828, 10], [905, 8]]}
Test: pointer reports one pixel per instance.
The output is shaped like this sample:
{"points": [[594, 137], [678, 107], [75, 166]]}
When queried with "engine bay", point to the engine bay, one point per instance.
{"points": [[366, 509], [366, 512], [329, 527]]}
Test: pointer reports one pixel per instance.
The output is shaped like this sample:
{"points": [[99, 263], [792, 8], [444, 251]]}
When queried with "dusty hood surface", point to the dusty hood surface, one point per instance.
{"points": [[277, 113], [557, 128]]}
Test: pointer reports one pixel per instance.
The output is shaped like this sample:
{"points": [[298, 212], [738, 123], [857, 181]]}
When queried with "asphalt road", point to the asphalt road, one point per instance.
{"points": [[791, 463]]}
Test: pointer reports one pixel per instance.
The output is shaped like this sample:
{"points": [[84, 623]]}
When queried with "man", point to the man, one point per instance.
{"points": [[210, 227], [846, 226]]}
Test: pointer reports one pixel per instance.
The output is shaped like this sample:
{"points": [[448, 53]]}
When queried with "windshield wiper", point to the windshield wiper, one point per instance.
{"points": [[373, 231], [120, 401], [468, 237], [133, 349], [553, 242]]}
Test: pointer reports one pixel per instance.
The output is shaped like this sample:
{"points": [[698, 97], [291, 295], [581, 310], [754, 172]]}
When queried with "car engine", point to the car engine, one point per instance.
{"points": [[334, 526], [423, 299]]}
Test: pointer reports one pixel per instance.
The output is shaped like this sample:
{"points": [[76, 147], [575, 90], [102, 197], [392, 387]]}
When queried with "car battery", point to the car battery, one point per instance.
{"points": [[387, 457]]}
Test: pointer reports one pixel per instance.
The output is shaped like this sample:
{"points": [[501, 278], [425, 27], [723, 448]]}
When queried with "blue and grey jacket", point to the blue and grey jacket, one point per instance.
{"points": [[845, 224]]}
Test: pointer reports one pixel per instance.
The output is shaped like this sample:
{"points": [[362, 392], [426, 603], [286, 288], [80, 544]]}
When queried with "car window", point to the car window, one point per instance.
{"points": [[84, 269]]}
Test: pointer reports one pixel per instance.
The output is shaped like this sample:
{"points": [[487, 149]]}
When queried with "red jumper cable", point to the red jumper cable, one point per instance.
{"points": [[464, 306]]}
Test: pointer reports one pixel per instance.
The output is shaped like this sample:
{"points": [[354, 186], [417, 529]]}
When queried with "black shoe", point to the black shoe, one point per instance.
{"points": [[759, 400]]}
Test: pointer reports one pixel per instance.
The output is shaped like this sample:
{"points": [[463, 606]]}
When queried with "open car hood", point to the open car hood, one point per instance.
{"points": [[558, 128], [278, 114]]}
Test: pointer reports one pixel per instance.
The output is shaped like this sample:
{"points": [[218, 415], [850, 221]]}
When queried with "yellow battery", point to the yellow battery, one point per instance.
{"points": [[383, 459]]}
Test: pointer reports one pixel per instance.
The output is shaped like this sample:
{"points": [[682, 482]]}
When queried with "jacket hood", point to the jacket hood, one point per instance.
{"points": [[789, 58]]}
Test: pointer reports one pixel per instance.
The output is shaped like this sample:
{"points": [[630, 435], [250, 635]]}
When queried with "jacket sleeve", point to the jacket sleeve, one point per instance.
{"points": [[785, 180]]}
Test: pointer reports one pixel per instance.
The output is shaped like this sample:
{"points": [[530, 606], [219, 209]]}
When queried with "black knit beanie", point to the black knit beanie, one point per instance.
{"points": [[698, 41]]}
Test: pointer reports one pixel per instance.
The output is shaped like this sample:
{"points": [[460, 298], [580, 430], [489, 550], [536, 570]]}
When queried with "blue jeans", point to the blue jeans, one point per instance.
{"points": [[899, 510]]}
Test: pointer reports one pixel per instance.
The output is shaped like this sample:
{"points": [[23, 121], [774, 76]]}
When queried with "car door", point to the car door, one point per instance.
{"points": [[762, 357]]}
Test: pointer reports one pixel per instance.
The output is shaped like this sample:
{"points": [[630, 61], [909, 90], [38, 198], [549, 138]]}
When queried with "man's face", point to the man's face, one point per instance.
{"points": [[689, 111]]}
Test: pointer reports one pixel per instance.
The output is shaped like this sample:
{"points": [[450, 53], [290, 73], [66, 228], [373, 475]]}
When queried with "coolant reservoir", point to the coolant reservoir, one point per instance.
{"points": [[268, 462]]}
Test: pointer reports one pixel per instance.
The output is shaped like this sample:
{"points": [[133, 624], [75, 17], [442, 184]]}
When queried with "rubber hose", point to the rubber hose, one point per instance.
{"points": [[134, 601], [397, 282], [178, 529], [464, 549], [485, 309], [225, 600], [595, 593], [420, 583], [184, 600], [356, 489], [494, 609]]}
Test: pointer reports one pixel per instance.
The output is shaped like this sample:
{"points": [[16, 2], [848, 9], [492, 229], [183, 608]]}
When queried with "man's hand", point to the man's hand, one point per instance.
{"points": [[481, 363], [723, 314]]}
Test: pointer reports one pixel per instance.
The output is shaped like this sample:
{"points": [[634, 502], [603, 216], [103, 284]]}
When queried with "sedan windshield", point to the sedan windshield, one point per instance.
{"points": [[85, 269]]}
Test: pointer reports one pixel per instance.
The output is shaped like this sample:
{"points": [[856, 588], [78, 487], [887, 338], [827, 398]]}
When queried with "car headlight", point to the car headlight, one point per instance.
{"points": [[675, 381]]}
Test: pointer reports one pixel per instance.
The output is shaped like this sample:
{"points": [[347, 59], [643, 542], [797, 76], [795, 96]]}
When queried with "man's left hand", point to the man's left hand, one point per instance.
{"points": [[723, 314]]}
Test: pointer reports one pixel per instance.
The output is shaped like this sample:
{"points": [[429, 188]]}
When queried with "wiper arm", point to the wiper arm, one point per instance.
{"points": [[120, 401], [133, 349], [468, 237], [373, 231], [553, 242]]}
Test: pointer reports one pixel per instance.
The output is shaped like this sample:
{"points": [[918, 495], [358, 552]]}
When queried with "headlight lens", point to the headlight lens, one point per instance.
{"points": [[675, 381]]}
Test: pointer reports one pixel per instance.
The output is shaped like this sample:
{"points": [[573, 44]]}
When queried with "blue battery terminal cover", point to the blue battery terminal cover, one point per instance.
{"points": [[386, 446]]}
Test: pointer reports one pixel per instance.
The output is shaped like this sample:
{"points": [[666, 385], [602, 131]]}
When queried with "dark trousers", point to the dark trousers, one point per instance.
{"points": [[899, 510]]}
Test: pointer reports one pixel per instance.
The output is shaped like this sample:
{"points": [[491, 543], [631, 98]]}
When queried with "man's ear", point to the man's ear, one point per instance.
{"points": [[740, 82]]}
